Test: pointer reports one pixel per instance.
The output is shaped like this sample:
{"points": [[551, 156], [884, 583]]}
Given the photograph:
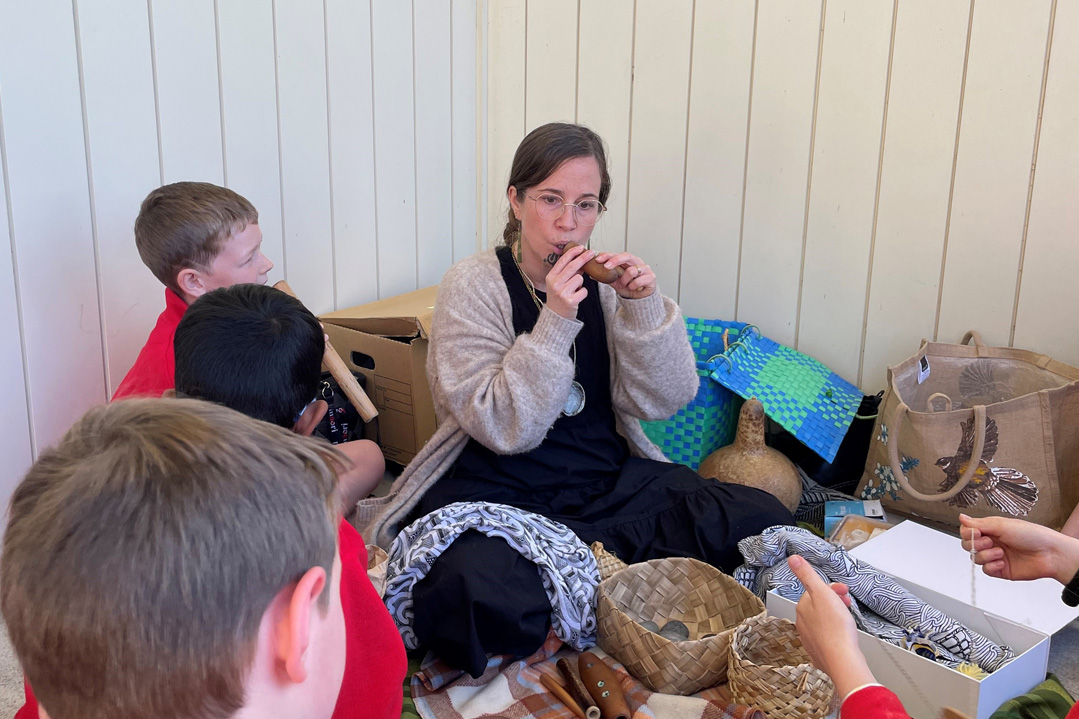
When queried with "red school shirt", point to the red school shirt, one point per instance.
{"points": [[154, 370], [375, 662]]}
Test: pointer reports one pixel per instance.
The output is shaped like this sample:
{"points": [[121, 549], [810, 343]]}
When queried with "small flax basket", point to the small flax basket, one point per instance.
{"points": [[770, 670], [707, 601]]}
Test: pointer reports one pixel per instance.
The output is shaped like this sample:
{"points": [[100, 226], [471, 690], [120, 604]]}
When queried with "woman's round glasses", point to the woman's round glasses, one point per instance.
{"points": [[551, 207]]}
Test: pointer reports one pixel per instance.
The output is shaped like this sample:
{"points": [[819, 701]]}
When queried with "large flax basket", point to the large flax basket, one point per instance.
{"points": [[707, 601], [770, 670]]}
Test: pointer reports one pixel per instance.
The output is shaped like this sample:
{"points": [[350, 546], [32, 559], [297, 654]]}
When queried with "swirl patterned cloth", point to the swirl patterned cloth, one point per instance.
{"points": [[882, 606], [567, 567]]}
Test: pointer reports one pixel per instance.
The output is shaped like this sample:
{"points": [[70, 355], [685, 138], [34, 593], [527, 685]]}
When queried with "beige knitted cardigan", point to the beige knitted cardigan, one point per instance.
{"points": [[506, 391]]}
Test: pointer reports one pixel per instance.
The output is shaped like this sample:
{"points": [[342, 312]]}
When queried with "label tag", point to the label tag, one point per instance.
{"points": [[923, 369]]}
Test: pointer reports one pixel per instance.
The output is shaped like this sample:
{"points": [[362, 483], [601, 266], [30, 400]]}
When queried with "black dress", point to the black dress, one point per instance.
{"points": [[481, 596]]}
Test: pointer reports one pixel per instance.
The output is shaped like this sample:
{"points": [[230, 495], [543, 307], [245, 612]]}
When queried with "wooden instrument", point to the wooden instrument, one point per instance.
{"points": [[341, 372], [576, 689], [597, 271], [557, 689], [602, 684]]}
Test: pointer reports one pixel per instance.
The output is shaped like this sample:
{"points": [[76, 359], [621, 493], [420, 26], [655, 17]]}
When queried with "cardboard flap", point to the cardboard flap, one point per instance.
{"points": [[915, 553], [407, 315]]}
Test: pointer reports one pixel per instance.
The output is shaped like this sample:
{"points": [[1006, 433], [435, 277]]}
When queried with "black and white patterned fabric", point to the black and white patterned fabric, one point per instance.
{"points": [[814, 496], [567, 567], [882, 606]]}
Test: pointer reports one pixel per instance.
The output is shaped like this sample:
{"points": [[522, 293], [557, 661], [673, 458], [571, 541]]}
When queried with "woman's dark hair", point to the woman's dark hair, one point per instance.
{"points": [[251, 348], [543, 151]]}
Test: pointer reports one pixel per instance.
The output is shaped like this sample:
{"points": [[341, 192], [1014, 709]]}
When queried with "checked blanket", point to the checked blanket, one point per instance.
{"points": [[511, 689]]}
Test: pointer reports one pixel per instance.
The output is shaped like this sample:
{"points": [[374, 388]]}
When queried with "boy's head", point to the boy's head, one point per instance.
{"points": [[196, 237], [254, 349], [173, 558]]}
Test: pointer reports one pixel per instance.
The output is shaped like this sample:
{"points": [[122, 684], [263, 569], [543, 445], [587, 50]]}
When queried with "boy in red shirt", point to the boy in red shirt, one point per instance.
{"points": [[176, 559], [194, 237], [258, 351]]}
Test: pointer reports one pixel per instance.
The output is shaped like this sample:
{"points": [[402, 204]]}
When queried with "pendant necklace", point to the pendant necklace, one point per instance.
{"points": [[575, 401]]}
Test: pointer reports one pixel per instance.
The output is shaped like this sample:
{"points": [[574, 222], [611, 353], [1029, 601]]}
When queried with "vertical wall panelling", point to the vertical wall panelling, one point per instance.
{"points": [[1049, 292], [434, 138], [992, 173], [923, 106], [463, 99], [784, 78], [850, 106], [249, 109], [658, 139], [50, 213], [395, 145], [305, 170], [551, 62], [604, 83], [505, 105], [185, 45], [122, 132], [352, 149], [15, 439], [715, 158]]}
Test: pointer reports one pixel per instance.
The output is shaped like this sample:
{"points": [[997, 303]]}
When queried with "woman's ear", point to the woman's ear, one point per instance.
{"points": [[515, 201], [312, 415]]}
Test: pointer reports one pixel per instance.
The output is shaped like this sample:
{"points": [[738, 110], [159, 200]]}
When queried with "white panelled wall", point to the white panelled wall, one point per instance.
{"points": [[851, 175], [352, 125]]}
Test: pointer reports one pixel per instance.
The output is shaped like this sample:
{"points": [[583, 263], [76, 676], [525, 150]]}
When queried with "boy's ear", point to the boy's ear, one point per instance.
{"points": [[310, 418], [189, 280], [294, 608]]}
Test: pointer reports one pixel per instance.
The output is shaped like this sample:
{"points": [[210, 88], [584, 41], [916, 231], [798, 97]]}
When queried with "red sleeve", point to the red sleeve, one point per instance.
{"points": [[872, 702], [1074, 713], [29, 709], [375, 662]]}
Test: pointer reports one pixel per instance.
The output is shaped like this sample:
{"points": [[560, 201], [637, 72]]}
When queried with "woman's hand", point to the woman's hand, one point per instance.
{"points": [[565, 284], [1014, 549], [638, 280], [827, 630]]}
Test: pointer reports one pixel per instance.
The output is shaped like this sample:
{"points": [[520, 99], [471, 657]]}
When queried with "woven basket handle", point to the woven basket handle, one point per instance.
{"points": [[972, 466]]}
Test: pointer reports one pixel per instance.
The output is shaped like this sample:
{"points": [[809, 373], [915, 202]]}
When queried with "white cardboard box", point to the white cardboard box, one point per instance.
{"points": [[924, 686]]}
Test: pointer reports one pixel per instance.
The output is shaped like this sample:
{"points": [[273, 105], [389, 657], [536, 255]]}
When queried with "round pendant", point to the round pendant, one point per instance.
{"points": [[575, 401]]}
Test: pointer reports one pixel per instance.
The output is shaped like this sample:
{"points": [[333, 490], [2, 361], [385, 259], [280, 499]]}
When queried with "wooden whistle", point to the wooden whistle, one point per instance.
{"points": [[597, 271], [602, 684], [576, 690], [340, 371]]}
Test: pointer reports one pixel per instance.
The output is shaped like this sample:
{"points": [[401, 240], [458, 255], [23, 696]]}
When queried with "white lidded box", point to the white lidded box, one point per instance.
{"points": [[940, 563]]}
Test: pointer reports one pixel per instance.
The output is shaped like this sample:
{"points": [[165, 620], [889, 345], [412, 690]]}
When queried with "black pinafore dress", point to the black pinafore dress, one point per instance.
{"points": [[481, 596]]}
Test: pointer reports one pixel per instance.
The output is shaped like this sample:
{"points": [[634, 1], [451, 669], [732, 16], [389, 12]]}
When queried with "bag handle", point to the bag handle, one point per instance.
{"points": [[972, 466], [979, 344], [930, 407]]}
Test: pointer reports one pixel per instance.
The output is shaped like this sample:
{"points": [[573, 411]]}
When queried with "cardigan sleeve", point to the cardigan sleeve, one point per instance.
{"points": [[872, 702], [504, 390], [653, 370]]}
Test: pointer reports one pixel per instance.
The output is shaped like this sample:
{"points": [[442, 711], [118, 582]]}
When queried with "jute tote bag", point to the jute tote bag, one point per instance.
{"points": [[977, 429]]}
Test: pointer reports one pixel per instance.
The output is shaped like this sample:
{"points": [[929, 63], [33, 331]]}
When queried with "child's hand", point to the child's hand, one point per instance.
{"points": [[827, 630], [1017, 550]]}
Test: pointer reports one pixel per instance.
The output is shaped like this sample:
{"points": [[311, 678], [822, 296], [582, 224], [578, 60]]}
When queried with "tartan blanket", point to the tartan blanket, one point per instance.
{"points": [[511, 689]]}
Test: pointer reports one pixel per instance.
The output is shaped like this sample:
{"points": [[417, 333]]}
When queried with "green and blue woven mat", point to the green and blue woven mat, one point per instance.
{"points": [[710, 420], [800, 393]]}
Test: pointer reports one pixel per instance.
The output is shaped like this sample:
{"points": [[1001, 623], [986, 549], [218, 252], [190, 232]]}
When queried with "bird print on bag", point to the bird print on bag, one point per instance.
{"points": [[1007, 490]]}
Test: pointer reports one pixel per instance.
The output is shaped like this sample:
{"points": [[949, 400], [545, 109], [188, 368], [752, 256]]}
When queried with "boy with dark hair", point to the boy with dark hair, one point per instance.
{"points": [[175, 559], [259, 351], [194, 237]]}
